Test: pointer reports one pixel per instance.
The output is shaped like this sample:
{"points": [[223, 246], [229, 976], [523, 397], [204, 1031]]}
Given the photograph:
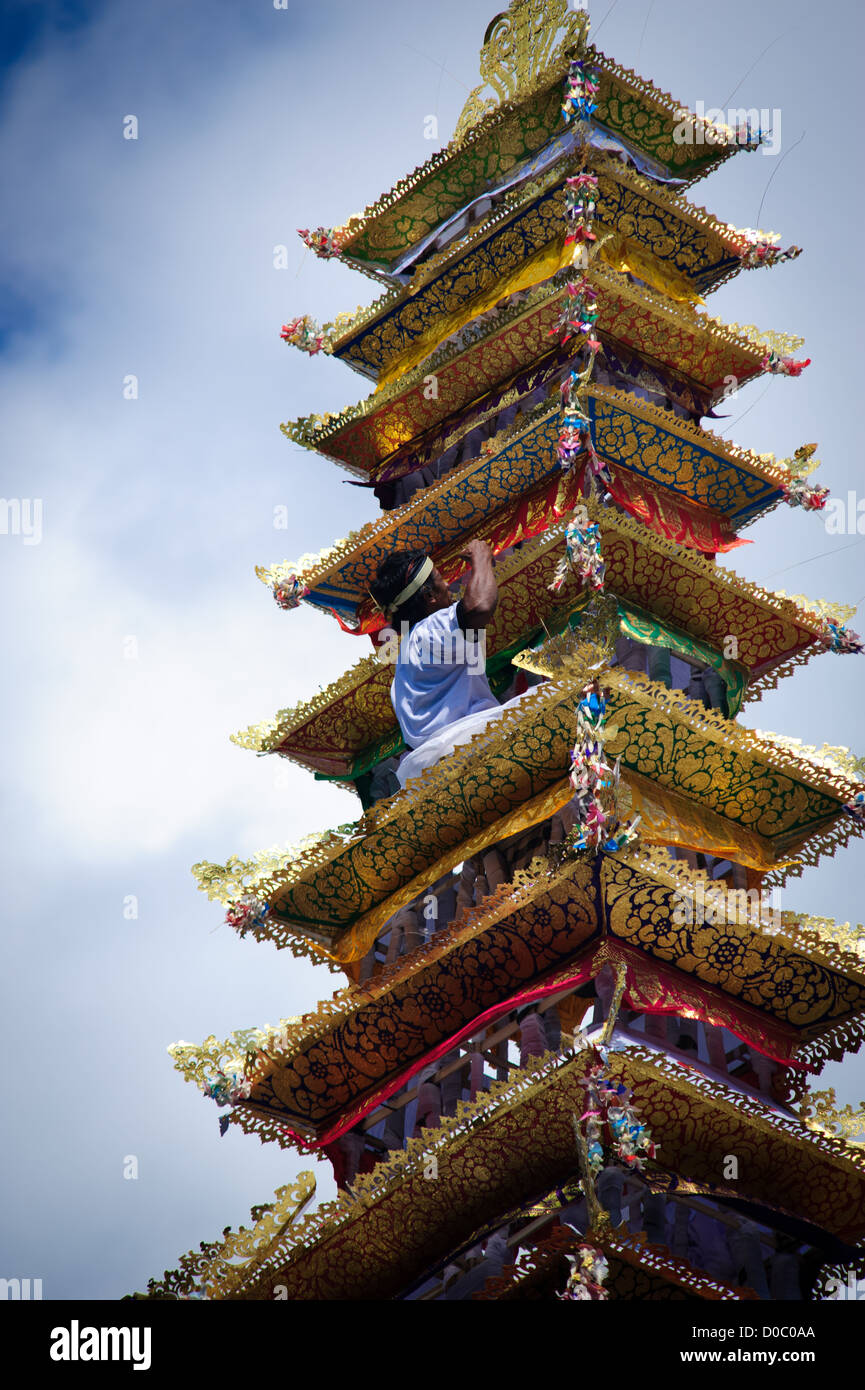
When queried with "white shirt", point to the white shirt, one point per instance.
{"points": [[440, 677]]}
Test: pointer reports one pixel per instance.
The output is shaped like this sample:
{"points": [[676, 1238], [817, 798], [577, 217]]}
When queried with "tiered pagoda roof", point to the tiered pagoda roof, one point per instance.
{"points": [[515, 113], [699, 350], [470, 348], [683, 481], [700, 781], [684, 599], [509, 1149], [791, 986]]}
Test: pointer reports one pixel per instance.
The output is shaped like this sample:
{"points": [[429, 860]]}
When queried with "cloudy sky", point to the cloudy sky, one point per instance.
{"points": [[137, 637]]}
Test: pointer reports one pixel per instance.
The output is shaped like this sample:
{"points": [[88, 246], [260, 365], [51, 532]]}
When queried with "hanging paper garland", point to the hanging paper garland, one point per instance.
{"points": [[577, 321], [796, 490], [614, 1131], [841, 639], [579, 314], [232, 1085], [303, 333], [582, 557], [581, 88], [798, 494], [289, 591], [326, 242], [588, 1273], [581, 196], [783, 366], [762, 251], [596, 784], [228, 1089], [247, 913]]}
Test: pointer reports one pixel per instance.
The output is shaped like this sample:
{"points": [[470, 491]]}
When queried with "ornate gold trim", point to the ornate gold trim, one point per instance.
{"points": [[835, 757], [221, 1267], [768, 679], [820, 1112], [833, 1045], [520, 55], [270, 873], [823, 608], [836, 946], [764, 1116]]}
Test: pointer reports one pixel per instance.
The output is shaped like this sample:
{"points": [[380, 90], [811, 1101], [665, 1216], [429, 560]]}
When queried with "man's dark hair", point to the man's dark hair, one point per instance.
{"points": [[394, 573]]}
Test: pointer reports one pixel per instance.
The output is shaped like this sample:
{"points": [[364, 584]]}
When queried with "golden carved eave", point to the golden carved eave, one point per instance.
{"points": [[262, 1052], [278, 875], [318, 568], [297, 1256]]}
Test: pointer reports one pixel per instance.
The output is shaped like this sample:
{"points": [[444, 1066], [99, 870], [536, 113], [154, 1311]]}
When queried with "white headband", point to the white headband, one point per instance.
{"points": [[418, 582]]}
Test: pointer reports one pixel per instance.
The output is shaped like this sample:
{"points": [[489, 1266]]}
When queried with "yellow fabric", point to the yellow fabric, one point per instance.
{"points": [[624, 254], [356, 940], [666, 819], [540, 266], [670, 819], [619, 252]]}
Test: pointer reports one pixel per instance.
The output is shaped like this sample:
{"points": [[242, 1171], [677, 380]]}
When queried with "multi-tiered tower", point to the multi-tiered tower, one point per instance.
{"points": [[573, 1052]]}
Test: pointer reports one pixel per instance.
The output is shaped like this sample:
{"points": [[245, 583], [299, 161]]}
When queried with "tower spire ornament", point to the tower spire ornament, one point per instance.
{"points": [[522, 46]]}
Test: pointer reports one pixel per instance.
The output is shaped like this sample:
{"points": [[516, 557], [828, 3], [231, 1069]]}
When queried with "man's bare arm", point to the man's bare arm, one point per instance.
{"points": [[478, 603]]}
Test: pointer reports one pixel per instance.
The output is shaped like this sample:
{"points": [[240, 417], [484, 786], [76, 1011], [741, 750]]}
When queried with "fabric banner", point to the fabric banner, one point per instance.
{"points": [[621, 253], [656, 988], [561, 145], [677, 518], [644, 627], [626, 255]]}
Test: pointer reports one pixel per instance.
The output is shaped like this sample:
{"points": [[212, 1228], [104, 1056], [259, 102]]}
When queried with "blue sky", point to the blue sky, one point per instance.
{"points": [[154, 257]]}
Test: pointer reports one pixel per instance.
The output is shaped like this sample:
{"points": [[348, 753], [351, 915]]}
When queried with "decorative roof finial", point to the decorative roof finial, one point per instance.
{"points": [[520, 47]]}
